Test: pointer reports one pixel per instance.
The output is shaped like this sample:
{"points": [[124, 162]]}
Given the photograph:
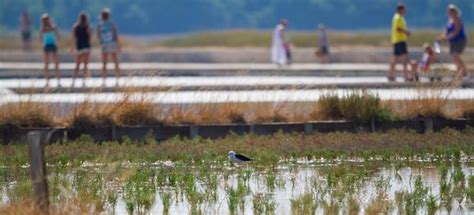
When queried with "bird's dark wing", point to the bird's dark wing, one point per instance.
{"points": [[242, 157]]}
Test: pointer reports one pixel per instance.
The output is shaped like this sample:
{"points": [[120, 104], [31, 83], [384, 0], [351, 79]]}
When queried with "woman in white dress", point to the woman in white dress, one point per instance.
{"points": [[278, 44]]}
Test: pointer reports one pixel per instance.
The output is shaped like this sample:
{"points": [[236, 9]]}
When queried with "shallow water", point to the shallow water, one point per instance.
{"points": [[211, 186]]}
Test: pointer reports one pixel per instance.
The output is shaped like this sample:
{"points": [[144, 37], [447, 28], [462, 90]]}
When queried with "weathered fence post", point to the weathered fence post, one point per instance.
{"points": [[252, 129], [372, 125], [428, 125], [36, 140], [308, 128], [193, 131], [113, 132]]}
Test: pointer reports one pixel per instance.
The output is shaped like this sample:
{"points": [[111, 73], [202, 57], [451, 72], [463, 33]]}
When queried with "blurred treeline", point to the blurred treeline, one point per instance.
{"points": [[173, 16]]}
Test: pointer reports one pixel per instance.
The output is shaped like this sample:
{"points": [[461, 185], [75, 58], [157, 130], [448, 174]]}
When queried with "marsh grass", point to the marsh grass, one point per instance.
{"points": [[26, 115], [328, 107], [136, 109], [304, 204], [234, 112], [266, 150], [92, 115], [470, 189], [179, 114], [166, 199], [427, 108], [380, 205], [141, 112], [263, 204], [90, 189], [360, 106], [268, 112], [467, 109], [417, 198]]}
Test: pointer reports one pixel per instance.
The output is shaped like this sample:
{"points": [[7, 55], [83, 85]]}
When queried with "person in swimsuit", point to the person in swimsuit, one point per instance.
{"points": [[107, 34], [424, 65], [49, 36], [81, 37], [456, 36]]}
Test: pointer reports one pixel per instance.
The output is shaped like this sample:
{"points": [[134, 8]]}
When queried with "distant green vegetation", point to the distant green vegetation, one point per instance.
{"points": [[169, 16], [393, 145], [251, 38]]}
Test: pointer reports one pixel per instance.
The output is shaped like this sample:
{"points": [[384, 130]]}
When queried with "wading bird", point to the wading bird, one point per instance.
{"points": [[238, 158]]}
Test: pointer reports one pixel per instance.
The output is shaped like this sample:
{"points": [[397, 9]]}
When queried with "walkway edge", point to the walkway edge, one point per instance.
{"points": [[163, 132]]}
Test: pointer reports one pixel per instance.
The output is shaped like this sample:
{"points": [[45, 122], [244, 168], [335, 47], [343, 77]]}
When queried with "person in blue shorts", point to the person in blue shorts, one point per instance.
{"points": [[49, 36]]}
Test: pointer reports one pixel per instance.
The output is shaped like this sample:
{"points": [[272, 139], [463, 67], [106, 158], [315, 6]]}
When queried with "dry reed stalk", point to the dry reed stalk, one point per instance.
{"points": [[26, 115], [269, 112]]}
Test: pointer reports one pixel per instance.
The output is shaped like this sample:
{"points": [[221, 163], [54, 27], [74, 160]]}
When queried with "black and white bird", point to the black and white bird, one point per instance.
{"points": [[238, 158]]}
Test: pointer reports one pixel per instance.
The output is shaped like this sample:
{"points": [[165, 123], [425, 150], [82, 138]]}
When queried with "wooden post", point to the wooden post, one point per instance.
{"points": [[429, 125], [372, 125], [308, 128], [36, 141], [193, 131]]}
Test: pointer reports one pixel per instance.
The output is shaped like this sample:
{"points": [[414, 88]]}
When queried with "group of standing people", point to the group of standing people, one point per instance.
{"points": [[81, 38], [455, 35], [281, 45]]}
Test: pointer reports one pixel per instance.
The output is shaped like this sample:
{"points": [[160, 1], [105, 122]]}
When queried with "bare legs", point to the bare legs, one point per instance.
{"points": [[414, 70], [56, 67], [395, 60], [81, 58], [26, 45], [46, 67], [55, 59], [104, 66], [460, 66], [116, 63]]}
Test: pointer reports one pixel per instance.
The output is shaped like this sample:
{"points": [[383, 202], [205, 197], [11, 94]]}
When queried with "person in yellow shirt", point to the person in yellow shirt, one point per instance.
{"points": [[399, 38]]}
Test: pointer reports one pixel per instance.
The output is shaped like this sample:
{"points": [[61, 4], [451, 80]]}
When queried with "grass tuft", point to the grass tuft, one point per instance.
{"points": [[133, 113], [268, 112], [88, 115], [360, 106], [26, 115]]}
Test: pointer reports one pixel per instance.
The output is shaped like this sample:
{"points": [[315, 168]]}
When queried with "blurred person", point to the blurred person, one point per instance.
{"points": [[399, 37], [80, 37], [288, 48], [424, 65], [49, 37], [279, 55], [108, 36], [323, 51], [25, 30], [456, 36]]}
